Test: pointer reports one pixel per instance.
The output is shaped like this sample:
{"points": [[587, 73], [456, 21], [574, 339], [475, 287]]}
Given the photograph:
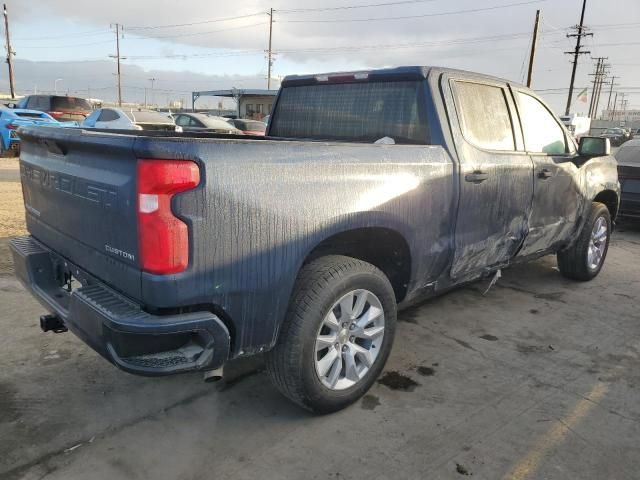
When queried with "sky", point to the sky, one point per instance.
{"points": [[206, 45]]}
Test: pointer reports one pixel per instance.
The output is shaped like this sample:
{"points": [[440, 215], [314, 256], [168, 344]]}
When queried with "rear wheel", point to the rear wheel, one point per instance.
{"points": [[337, 334], [585, 258]]}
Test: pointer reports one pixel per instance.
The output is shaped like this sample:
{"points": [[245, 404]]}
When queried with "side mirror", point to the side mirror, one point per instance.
{"points": [[594, 147], [12, 105]]}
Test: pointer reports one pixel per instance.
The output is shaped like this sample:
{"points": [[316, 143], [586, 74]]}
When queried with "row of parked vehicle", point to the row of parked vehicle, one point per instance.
{"points": [[617, 136], [65, 111]]}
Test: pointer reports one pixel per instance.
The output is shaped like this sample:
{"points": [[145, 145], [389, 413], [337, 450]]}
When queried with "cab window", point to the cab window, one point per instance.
{"points": [[484, 117], [542, 132], [108, 116]]}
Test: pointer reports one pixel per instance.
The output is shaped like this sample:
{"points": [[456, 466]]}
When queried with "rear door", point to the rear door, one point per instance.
{"points": [[496, 184], [556, 200]]}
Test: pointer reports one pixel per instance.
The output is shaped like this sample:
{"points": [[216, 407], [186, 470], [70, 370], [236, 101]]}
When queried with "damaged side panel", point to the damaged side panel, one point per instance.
{"points": [[262, 210]]}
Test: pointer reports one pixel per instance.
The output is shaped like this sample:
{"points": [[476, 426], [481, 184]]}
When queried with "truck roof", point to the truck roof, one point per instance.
{"points": [[396, 73]]}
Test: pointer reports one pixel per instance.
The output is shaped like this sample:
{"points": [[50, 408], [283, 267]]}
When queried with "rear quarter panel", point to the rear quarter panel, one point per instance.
{"points": [[263, 206]]}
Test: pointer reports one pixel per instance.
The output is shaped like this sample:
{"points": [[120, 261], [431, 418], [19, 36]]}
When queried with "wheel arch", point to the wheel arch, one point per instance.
{"points": [[384, 247], [610, 199]]}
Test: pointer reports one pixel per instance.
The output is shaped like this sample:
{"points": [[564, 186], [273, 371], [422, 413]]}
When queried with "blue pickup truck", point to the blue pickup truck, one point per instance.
{"points": [[371, 191]]}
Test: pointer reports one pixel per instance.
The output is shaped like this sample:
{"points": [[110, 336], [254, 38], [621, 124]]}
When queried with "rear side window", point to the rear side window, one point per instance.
{"points": [[484, 116], [70, 103], [108, 116], [38, 102], [542, 133], [352, 112]]}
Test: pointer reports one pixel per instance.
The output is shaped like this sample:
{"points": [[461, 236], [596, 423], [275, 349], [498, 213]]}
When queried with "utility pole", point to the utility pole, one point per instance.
{"points": [[10, 53], [599, 76], [576, 53], [613, 79], [533, 48], [152, 80], [117, 57], [615, 103], [603, 76], [269, 54]]}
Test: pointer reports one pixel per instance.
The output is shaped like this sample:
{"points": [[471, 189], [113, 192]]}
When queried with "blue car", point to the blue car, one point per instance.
{"points": [[13, 118]]}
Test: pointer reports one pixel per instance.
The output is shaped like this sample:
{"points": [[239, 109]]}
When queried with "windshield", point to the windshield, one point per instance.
{"points": [[147, 116], [69, 103], [613, 130], [352, 112]]}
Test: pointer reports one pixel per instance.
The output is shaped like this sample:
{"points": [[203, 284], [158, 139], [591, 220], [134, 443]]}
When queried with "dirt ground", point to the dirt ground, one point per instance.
{"points": [[537, 379], [11, 209]]}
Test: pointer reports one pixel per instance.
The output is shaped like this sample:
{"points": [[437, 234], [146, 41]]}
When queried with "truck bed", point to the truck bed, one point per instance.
{"points": [[260, 205]]}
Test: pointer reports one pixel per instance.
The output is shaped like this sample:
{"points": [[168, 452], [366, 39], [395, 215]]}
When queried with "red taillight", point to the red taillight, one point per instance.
{"points": [[56, 115], [163, 238], [11, 126]]}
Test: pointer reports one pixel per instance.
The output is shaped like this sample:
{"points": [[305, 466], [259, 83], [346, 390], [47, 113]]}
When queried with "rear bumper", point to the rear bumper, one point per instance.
{"points": [[113, 325]]}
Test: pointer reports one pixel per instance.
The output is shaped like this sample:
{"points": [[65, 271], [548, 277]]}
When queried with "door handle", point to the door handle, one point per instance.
{"points": [[545, 173], [476, 177]]}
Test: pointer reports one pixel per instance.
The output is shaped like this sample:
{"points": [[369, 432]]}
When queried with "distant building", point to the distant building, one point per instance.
{"points": [[621, 115]]}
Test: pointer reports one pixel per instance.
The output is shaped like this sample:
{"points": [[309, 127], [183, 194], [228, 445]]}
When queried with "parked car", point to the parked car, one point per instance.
{"points": [[60, 107], [12, 119], [617, 136], [172, 256], [249, 127], [629, 174], [130, 119], [200, 122]]}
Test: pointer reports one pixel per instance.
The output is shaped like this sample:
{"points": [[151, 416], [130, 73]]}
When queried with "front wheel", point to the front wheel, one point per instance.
{"points": [[337, 334], [585, 258]]}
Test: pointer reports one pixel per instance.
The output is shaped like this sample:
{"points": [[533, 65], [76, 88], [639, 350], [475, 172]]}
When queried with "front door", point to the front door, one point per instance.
{"points": [[557, 199], [496, 177]]}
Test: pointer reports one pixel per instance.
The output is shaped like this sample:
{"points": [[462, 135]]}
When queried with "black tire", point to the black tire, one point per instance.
{"points": [[573, 261], [320, 284]]}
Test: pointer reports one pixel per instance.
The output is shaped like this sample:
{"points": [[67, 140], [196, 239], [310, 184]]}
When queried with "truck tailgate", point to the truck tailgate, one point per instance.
{"points": [[80, 199]]}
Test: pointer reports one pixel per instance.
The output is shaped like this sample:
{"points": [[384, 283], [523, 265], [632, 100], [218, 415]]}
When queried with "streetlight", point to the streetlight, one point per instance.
{"points": [[55, 84]]}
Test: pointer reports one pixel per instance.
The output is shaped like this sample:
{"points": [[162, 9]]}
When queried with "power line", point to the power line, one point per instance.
{"points": [[68, 46], [89, 33], [328, 50], [194, 34], [352, 7], [439, 14], [190, 24]]}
